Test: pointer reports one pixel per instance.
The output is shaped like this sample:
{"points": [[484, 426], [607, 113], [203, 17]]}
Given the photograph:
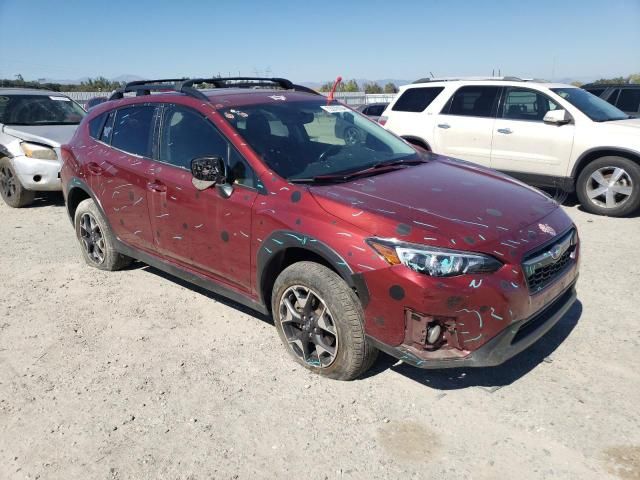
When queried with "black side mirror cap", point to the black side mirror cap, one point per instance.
{"points": [[208, 171]]}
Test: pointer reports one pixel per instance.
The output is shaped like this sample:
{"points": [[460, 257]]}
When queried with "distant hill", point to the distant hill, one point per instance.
{"points": [[78, 81]]}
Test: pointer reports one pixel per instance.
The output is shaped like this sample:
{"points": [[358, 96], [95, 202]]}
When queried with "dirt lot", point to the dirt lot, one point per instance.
{"points": [[136, 375]]}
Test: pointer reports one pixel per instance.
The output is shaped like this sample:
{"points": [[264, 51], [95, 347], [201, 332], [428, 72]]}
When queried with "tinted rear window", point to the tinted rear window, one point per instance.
{"points": [[95, 126], [132, 130], [629, 100], [416, 99], [473, 101]]}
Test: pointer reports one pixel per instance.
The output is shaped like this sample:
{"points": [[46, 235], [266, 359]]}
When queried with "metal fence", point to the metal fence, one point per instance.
{"points": [[349, 98]]}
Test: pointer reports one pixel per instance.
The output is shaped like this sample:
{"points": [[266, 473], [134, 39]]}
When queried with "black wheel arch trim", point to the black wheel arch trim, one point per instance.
{"points": [[4, 152], [409, 139], [77, 183], [272, 250], [624, 152]]}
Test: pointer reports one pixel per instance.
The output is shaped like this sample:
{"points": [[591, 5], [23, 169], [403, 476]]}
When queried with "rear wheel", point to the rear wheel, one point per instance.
{"points": [[13, 193], [610, 186], [96, 240], [320, 321]]}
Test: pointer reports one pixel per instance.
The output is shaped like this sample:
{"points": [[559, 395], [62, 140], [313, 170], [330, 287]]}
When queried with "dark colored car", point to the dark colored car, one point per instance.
{"points": [[352, 248], [94, 101], [625, 96], [373, 110]]}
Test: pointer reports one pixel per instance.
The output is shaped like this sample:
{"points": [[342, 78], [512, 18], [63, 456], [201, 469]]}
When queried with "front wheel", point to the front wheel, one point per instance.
{"points": [[13, 193], [610, 186], [320, 321]]}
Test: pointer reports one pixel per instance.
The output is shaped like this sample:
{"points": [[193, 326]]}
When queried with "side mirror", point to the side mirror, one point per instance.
{"points": [[208, 171], [557, 117]]}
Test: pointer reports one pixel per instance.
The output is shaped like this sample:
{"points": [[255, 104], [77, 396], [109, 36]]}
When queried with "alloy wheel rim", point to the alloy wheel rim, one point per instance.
{"points": [[7, 182], [609, 187], [91, 238], [308, 326], [351, 136]]}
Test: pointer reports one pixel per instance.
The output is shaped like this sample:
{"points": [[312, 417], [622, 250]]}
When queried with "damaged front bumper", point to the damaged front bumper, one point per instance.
{"points": [[511, 341]]}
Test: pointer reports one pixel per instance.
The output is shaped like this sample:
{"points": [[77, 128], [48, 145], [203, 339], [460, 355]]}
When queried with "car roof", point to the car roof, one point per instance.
{"points": [[488, 82], [612, 85], [27, 91]]}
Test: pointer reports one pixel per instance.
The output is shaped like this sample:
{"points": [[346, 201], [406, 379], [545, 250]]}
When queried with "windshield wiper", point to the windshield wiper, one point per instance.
{"points": [[371, 170]]}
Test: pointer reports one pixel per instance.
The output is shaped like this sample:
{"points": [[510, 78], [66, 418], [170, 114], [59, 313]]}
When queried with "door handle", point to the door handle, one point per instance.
{"points": [[444, 125], [157, 186], [506, 131], [94, 168]]}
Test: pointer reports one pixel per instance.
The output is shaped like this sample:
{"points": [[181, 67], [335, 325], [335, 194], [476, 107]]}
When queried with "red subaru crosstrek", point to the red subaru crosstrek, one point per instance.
{"points": [[248, 188]]}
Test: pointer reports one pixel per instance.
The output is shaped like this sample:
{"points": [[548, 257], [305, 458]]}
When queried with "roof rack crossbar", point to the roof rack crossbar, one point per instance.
{"points": [[186, 86]]}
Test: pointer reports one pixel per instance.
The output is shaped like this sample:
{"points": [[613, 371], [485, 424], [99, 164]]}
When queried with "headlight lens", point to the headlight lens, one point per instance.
{"points": [[433, 261], [41, 152]]}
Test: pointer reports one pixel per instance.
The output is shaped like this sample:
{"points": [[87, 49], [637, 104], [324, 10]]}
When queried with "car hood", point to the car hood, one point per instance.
{"points": [[53, 135], [631, 124], [445, 202]]}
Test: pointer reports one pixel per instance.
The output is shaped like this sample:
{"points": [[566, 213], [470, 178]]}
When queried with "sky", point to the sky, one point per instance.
{"points": [[314, 41]]}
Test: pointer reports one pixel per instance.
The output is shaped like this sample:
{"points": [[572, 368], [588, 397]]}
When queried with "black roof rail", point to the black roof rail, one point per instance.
{"points": [[248, 82], [186, 85]]}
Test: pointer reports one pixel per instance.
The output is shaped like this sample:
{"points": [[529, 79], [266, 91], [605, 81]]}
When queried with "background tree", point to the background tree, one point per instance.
{"points": [[350, 86], [577, 84], [372, 87], [634, 78], [390, 88]]}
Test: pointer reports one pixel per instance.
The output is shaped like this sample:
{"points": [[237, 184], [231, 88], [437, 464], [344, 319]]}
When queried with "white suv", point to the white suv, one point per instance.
{"points": [[546, 134]]}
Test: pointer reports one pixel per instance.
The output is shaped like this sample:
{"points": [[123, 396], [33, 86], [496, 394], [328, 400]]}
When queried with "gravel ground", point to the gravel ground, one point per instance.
{"points": [[135, 374]]}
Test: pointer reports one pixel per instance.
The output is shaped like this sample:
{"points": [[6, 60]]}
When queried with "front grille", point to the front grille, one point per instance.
{"points": [[543, 266]]}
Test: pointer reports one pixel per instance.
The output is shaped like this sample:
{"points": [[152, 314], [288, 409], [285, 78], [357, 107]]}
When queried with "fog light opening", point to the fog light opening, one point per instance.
{"points": [[434, 333], [37, 178]]}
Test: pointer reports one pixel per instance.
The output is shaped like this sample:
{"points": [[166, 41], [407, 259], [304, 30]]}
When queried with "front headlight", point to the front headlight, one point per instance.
{"points": [[433, 261], [41, 152]]}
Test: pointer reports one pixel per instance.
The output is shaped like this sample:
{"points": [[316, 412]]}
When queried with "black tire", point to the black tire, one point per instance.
{"points": [[354, 354], [631, 177], [13, 193], [105, 257]]}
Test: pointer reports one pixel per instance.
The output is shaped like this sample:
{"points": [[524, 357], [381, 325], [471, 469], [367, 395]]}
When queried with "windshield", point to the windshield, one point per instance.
{"points": [[593, 107], [39, 110], [303, 140]]}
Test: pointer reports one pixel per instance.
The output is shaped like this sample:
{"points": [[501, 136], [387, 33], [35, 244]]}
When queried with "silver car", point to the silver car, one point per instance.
{"points": [[33, 125]]}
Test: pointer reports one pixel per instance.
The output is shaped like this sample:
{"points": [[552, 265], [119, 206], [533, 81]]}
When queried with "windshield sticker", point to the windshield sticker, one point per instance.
{"points": [[60, 99], [4, 99], [335, 108], [278, 97], [239, 113]]}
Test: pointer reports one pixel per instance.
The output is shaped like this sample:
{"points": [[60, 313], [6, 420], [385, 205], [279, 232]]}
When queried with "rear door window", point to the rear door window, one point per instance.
{"points": [[132, 130], [629, 100], [416, 99], [473, 101]]}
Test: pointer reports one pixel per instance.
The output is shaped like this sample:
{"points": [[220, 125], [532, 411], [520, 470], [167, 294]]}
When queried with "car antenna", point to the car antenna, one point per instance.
{"points": [[333, 89]]}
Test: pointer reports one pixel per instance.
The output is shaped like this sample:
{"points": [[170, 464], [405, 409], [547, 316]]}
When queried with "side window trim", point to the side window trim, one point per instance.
{"points": [[112, 114]]}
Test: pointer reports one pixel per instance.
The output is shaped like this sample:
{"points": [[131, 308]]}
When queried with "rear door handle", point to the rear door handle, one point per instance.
{"points": [[444, 125], [506, 131], [94, 168], [157, 186]]}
